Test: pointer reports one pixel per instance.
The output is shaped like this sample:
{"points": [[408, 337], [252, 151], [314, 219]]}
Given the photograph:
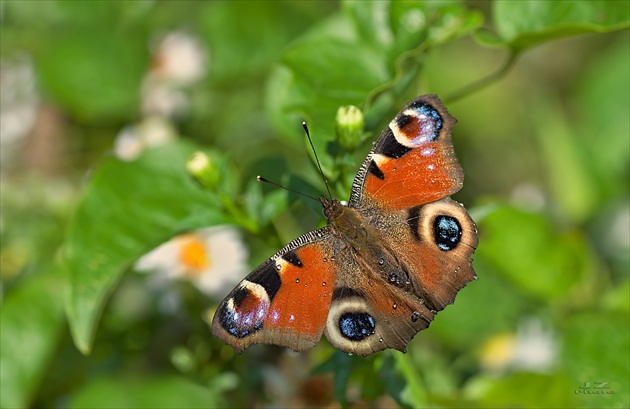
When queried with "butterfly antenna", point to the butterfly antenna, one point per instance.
{"points": [[319, 166], [262, 179]]}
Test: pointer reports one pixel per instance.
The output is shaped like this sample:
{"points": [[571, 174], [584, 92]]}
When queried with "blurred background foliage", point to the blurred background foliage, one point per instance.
{"points": [[103, 104]]}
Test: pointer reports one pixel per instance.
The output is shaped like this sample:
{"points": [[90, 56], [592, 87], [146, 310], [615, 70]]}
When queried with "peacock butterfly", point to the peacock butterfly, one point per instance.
{"points": [[397, 253]]}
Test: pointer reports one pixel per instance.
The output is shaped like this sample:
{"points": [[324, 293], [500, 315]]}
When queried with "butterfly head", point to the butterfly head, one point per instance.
{"points": [[332, 207]]}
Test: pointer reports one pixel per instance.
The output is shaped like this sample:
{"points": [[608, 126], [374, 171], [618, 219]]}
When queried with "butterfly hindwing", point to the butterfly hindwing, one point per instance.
{"points": [[435, 248], [284, 301], [393, 290], [439, 244], [371, 317]]}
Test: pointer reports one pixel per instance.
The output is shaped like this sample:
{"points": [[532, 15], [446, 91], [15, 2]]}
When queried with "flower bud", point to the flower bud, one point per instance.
{"points": [[349, 126], [203, 170]]}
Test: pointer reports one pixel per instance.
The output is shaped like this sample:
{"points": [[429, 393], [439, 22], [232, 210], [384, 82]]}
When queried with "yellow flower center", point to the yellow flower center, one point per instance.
{"points": [[194, 256], [498, 351]]}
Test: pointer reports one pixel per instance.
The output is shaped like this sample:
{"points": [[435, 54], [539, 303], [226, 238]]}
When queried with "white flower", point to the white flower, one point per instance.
{"points": [[160, 98], [213, 258], [128, 144], [535, 349], [179, 58], [532, 348], [150, 133], [20, 102]]}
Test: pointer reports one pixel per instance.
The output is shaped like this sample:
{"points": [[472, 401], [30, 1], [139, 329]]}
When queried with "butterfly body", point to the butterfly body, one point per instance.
{"points": [[384, 264]]}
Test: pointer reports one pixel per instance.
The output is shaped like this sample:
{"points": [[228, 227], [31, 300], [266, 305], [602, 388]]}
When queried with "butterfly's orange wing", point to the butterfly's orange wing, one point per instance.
{"points": [[284, 301]]}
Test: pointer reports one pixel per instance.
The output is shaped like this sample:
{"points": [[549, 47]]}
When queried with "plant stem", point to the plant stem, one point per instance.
{"points": [[484, 82]]}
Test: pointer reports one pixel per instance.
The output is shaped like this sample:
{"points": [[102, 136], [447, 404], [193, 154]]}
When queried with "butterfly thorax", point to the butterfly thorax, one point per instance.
{"points": [[363, 246], [344, 220]]}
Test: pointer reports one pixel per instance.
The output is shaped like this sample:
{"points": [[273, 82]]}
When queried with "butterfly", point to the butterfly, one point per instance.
{"points": [[385, 263]]}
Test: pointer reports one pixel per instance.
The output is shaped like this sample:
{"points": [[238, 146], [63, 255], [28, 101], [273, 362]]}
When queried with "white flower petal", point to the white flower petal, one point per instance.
{"points": [[163, 260], [225, 250], [180, 58], [535, 348], [159, 98], [228, 260], [156, 131], [128, 145]]}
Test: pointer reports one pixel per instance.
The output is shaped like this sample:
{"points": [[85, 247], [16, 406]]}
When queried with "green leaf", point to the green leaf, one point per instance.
{"points": [[341, 365], [616, 299], [94, 83], [260, 34], [469, 320], [539, 258], [521, 390], [392, 379], [127, 209], [602, 101], [569, 173], [264, 207], [415, 393], [32, 322], [148, 392], [525, 23], [354, 56], [400, 26], [596, 348]]}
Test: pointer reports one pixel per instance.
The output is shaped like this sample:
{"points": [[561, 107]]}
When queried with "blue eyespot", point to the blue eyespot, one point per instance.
{"points": [[356, 326], [430, 121], [237, 325], [448, 232]]}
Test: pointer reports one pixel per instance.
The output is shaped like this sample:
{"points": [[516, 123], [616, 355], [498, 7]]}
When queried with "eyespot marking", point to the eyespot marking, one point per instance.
{"points": [[447, 231], [413, 221], [356, 326], [245, 312], [268, 278], [417, 125], [391, 147]]}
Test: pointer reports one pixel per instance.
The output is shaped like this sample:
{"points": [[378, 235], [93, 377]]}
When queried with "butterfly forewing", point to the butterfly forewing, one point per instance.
{"points": [[413, 161], [284, 301]]}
